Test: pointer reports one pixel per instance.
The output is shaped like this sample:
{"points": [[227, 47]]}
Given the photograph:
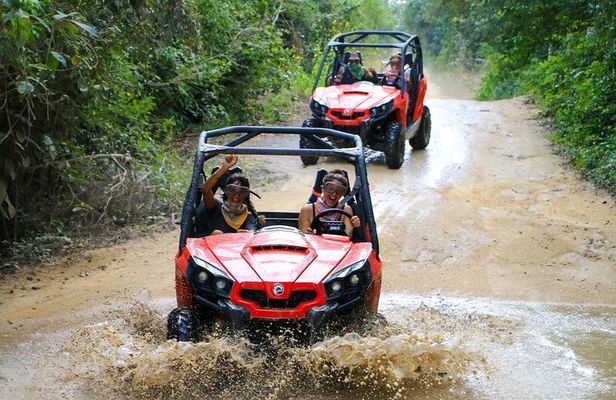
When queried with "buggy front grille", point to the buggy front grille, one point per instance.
{"points": [[355, 115], [260, 298]]}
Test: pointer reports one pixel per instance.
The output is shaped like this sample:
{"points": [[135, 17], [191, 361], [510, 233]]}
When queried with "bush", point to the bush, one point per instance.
{"points": [[94, 94], [577, 86]]}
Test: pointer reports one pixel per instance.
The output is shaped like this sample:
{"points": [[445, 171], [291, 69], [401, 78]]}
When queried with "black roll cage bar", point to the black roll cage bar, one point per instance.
{"points": [[206, 151], [351, 39]]}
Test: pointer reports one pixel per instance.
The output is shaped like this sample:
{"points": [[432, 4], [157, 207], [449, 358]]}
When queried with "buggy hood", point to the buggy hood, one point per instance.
{"points": [[278, 256], [357, 96]]}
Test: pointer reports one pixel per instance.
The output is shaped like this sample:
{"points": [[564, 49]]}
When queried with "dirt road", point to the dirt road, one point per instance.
{"points": [[499, 282]]}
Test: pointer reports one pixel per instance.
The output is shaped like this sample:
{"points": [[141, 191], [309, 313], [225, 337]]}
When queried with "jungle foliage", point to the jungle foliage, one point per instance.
{"points": [[93, 95], [562, 52]]}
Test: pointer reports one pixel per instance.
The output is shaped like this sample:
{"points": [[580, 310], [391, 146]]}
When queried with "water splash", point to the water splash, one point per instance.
{"points": [[128, 357]]}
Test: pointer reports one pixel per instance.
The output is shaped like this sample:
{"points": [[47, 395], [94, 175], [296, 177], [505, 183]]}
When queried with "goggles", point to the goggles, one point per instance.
{"points": [[231, 190], [354, 61], [332, 187]]}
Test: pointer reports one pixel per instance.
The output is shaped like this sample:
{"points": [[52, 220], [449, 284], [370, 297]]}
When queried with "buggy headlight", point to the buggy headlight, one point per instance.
{"points": [[349, 282], [205, 277], [318, 108], [382, 109]]}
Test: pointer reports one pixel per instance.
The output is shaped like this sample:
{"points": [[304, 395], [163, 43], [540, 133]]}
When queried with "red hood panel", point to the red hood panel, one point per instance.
{"points": [[277, 256], [277, 239], [357, 96]]}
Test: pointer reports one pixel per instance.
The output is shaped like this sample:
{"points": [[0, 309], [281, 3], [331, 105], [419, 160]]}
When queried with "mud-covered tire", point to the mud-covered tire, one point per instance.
{"points": [[307, 144], [421, 140], [377, 321], [182, 325], [394, 145]]}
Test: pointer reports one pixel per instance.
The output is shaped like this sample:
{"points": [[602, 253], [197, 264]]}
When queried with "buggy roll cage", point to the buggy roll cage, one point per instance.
{"points": [[206, 151], [353, 39]]}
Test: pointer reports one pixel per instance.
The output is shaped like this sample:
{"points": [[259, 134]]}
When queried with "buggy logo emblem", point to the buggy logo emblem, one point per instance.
{"points": [[347, 111], [278, 289]]}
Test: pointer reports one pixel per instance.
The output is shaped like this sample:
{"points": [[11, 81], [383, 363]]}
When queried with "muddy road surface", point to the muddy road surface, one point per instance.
{"points": [[499, 283]]}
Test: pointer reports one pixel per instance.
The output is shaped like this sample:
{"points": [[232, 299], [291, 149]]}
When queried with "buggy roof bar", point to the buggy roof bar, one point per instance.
{"points": [[249, 132], [354, 155], [403, 38], [352, 40]]}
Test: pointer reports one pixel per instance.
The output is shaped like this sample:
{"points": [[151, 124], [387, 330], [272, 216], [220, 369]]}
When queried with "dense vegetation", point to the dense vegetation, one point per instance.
{"points": [[562, 52], [94, 93]]}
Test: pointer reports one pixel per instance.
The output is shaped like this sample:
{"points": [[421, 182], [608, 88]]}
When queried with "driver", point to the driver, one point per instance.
{"points": [[354, 72], [335, 186]]}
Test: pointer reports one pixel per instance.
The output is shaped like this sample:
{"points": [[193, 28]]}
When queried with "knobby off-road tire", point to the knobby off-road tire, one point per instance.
{"points": [[307, 144], [182, 325], [421, 140], [394, 145]]}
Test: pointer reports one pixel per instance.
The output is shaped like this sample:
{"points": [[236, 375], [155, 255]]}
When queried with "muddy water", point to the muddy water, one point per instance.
{"points": [[499, 283], [434, 347]]}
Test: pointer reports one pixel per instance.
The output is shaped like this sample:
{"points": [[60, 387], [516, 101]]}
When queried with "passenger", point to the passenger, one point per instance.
{"points": [[354, 71], [335, 186], [392, 76], [235, 213]]}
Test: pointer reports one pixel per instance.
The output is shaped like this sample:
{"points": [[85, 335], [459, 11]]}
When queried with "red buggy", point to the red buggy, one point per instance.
{"points": [[277, 274], [383, 116]]}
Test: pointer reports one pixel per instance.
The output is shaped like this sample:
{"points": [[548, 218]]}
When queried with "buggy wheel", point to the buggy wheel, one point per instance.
{"points": [[421, 140], [182, 325], [368, 323], [307, 144], [394, 145]]}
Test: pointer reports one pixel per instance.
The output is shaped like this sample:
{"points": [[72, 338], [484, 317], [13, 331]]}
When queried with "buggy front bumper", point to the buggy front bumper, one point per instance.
{"points": [[316, 318]]}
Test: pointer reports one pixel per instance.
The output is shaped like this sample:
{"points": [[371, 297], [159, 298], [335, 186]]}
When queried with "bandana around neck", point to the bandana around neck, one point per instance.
{"points": [[355, 70], [234, 215]]}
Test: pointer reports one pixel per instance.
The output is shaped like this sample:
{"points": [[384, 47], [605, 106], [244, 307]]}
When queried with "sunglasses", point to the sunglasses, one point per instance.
{"points": [[231, 190], [353, 61], [332, 187]]}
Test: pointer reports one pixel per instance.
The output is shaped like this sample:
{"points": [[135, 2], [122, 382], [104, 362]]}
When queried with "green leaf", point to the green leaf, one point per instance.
{"points": [[59, 57], [24, 87], [82, 206], [43, 23], [47, 140], [52, 63], [60, 16], [88, 28], [14, 14], [50, 146], [10, 209], [68, 26]]}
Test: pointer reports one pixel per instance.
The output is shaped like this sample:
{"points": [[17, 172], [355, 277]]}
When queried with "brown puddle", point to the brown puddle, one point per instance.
{"points": [[433, 348], [129, 357]]}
